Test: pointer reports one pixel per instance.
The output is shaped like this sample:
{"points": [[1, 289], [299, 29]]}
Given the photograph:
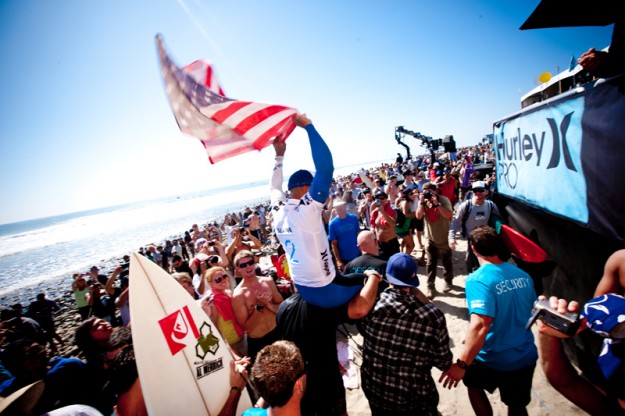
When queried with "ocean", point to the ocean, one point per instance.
{"points": [[46, 252], [43, 254]]}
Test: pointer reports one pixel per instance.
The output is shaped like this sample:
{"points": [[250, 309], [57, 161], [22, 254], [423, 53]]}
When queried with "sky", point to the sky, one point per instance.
{"points": [[86, 123]]}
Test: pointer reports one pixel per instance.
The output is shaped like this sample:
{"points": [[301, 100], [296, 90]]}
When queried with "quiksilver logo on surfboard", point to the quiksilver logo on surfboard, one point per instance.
{"points": [[179, 330]]}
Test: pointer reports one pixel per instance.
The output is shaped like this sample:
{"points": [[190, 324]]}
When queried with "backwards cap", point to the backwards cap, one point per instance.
{"points": [[300, 178]]}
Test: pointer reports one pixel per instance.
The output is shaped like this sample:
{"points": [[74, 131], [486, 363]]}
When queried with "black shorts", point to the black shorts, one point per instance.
{"points": [[514, 386], [416, 224]]}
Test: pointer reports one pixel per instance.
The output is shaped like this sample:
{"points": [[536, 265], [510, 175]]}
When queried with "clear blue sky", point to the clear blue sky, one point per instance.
{"points": [[85, 120]]}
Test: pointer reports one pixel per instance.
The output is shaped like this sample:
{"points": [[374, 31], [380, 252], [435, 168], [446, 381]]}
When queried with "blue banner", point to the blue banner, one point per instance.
{"points": [[567, 156]]}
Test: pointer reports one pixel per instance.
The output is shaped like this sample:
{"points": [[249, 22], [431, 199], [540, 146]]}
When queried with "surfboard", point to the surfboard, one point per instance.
{"points": [[182, 359], [522, 247]]}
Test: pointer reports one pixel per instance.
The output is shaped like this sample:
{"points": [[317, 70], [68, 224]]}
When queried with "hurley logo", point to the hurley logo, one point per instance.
{"points": [[179, 330], [528, 148]]}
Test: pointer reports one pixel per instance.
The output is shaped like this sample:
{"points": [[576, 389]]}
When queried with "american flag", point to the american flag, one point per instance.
{"points": [[202, 71], [226, 127]]}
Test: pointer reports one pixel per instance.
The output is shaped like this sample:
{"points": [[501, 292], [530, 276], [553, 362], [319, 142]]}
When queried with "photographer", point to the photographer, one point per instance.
{"points": [[383, 221], [437, 211], [242, 239]]}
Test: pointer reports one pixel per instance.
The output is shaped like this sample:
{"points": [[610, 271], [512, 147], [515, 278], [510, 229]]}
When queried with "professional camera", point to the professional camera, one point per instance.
{"points": [[427, 195], [566, 323]]}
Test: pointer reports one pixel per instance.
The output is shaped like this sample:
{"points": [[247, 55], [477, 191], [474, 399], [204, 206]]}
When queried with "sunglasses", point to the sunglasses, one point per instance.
{"points": [[220, 278], [249, 263], [478, 190]]}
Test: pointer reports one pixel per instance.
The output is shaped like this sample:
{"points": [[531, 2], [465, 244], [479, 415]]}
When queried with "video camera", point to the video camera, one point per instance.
{"points": [[567, 323]]}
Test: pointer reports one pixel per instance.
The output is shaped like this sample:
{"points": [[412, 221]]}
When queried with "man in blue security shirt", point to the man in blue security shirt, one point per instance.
{"points": [[499, 353]]}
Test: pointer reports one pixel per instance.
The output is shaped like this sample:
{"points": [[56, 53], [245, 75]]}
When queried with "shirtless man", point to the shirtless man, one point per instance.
{"points": [[196, 233], [383, 219], [391, 189], [255, 302]]}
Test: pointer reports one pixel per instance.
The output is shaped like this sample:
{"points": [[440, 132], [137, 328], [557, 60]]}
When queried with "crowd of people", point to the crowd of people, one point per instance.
{"points": [[278, 279]]}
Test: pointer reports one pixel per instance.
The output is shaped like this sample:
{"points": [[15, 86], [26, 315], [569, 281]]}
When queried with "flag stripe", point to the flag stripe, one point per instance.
{"points": [[222, 113], [257, 119], [284, 129], [270, 125], [224, 126]]}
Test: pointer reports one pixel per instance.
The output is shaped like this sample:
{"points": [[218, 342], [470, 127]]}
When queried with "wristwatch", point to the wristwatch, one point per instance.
{"points": [[462, 364]]}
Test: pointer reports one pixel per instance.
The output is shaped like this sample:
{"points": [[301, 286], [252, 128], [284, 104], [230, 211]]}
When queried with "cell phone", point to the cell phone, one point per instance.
{"points": [[567, 323]]}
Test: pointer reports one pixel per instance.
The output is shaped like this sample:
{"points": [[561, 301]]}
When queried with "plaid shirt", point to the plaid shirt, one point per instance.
{"points": [[403, 339]]}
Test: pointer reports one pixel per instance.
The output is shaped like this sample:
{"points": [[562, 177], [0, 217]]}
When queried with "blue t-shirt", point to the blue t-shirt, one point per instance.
{"points": [[255, 411], [505, 293], [345, 232]]}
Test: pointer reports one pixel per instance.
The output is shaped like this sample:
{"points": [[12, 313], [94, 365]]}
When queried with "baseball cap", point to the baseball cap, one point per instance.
{"points": [[380, 194], [401, 270], [478, 184], [301, 177]]}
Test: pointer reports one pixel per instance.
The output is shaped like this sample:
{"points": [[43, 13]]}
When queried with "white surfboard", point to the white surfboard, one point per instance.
{"points": [[183, 362]]}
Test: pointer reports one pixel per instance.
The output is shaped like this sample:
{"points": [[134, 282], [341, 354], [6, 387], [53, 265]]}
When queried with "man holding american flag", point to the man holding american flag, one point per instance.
{"points": [[298, 225]]}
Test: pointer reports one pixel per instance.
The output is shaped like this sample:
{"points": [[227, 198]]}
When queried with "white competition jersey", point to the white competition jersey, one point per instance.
{"points": [[299, 227]]}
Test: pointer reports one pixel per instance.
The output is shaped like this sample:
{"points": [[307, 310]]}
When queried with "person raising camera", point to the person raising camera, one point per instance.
{"points": [[242, 239], [437, 211]]}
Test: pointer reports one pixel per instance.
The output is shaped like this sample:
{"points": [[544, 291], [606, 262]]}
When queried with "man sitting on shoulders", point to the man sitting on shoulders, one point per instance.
{"points": [[299, 226]]}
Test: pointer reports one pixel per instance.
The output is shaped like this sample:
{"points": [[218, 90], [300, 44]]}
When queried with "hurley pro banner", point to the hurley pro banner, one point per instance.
{"points": [[567, 156]]}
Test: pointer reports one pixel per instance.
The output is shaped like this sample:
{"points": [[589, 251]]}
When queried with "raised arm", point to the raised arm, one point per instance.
{"points": [[276, 193], [111, 281], [322, 158]]}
